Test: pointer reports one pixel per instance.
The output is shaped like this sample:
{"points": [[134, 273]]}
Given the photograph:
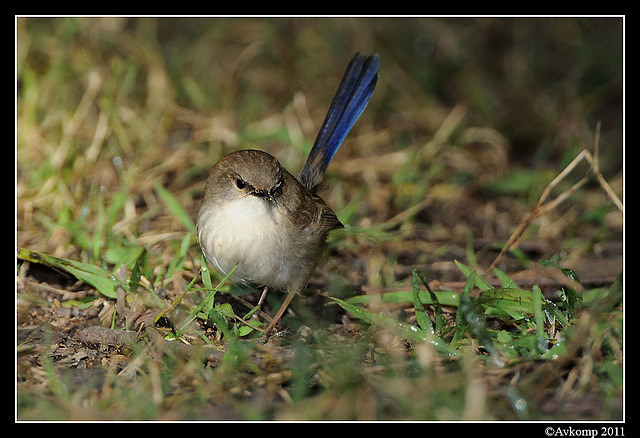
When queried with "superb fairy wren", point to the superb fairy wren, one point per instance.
{"points": [[272, 225]]}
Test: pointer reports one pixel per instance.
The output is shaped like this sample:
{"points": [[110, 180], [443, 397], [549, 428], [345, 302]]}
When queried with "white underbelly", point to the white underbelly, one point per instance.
{"points": [[247, 232]]}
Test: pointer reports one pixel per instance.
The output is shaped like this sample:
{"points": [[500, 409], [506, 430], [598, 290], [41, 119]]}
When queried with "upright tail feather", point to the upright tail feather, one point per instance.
{"points": [[350, 100]]}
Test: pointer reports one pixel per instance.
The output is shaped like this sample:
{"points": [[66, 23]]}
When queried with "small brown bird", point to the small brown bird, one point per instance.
{"points": [[272, 225]]}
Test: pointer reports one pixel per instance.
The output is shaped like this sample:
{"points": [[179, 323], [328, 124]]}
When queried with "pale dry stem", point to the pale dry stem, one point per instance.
{"points": [[541, 208]]}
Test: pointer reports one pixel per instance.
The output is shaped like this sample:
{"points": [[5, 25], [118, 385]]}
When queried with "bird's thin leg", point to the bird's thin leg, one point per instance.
{"points": [[278, 315], [258, 306], [263, 296]]}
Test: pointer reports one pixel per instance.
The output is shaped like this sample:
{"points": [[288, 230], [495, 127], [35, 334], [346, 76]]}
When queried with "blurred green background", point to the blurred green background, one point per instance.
{"points": [[162, 98]]}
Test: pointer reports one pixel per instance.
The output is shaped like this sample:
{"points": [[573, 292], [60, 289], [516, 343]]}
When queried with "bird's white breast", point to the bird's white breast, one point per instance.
{"points": [[248, 232]]}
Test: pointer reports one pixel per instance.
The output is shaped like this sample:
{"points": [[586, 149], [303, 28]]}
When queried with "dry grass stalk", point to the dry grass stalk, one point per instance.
{"points": [[542, 207]]}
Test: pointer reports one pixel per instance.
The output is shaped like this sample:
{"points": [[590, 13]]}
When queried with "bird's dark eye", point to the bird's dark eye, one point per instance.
{"points": [[240, 183]]}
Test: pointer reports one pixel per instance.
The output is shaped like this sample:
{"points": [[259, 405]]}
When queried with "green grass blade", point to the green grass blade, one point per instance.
{"points": [[461, 324], [538, 314], [445, 298], [402, 329], [512, 302], [569, 273], [206, 274], [471, 256], [181, 254], [439, 314], [477, 326], [551, 310], [505, 280], [103, 280], [422, 317], [480, 282], [210, 295], [175, 207]]}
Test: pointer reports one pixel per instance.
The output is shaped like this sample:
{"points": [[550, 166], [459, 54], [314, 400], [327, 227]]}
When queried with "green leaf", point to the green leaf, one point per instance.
{"points": [[103, 280], [225, 310], [124, 255], [244, 330]]}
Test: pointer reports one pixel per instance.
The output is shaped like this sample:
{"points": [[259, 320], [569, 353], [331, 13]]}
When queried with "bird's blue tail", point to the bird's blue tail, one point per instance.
{"points": [[350, 100]]}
